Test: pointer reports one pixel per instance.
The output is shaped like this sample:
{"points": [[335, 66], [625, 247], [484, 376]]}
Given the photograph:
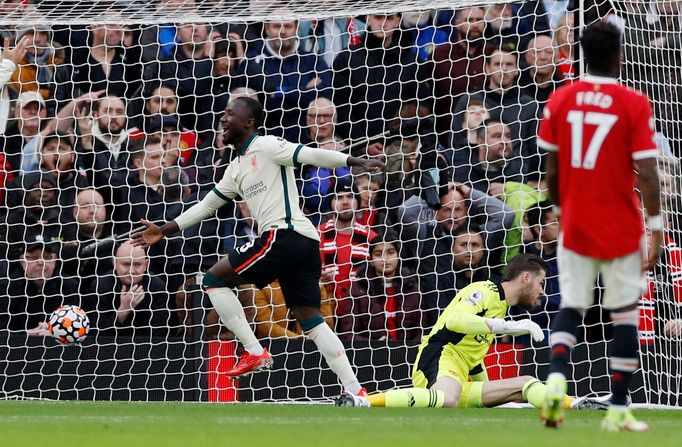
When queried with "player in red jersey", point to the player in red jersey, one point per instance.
{"points": [[598, 133]]}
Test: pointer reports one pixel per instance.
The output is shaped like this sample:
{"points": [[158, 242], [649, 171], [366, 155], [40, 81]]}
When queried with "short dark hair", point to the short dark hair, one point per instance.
{"points": [[503, 47], [255, 108], [482, 130], [388, 236], [59, 136], [466, 229], [174, 182], [536, 215], [601, 43], [524, 262], [138, 147]]}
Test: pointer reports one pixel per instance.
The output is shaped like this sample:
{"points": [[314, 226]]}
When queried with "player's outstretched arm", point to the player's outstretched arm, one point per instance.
{"points": [[195, 214], [153, 233], [466, 323], [324, 158], [649, 186]]}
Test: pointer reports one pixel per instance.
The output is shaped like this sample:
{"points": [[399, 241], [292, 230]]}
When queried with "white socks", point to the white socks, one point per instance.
{"points": [[334, 353], [231, 313]]}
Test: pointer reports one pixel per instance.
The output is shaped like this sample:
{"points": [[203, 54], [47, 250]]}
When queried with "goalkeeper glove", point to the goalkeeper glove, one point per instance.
{"points": [[521, 327]]}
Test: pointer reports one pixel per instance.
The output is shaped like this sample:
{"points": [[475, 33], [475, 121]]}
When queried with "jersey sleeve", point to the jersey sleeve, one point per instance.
{"points": [[281, 151], [471, 301], [227, 188], [642, 140], [286, 153], [547, 138]]}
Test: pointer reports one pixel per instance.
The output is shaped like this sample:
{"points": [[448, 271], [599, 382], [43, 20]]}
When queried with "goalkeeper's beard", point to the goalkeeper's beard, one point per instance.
{"points": [[526, 299]]}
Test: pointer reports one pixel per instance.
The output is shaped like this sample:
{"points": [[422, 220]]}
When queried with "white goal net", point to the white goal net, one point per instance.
{"points": [[113, 116]]}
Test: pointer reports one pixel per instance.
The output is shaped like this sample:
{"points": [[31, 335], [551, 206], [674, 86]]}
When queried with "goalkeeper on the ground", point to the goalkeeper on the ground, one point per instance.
{"points": [[449, 369]]}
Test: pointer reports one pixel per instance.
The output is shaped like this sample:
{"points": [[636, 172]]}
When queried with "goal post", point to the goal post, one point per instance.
{"points": [[114, 114]]}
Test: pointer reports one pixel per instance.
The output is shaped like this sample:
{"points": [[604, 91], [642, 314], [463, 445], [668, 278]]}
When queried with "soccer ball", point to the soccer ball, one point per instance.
{"points": [[69, 324]]}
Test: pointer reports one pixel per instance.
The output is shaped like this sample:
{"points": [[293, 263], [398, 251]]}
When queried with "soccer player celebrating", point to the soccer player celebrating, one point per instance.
{"points": [[262, 173], [453, 352], [598, 133]]}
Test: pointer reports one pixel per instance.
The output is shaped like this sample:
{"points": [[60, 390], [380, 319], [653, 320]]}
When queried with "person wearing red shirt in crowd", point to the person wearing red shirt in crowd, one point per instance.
{"points": [[565, 42], [385, 302], [178, 142], [367, 186], [598, 133], [344, 243]]}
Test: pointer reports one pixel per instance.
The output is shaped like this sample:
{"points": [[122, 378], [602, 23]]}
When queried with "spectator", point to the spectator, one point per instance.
{"points": [[385, 303], [34, 288], [373, 79], [652, 60], [541, 77], [35, 72], [566, 45], [274, 319], [103, 143], [321, 120], [159, 101], [32, 209], [179, 143], [425, 36], [556, 9], [507, 103], [128, 300], [519, 197], [368, 186], [21, 141], [415, 165], [316, 183], [190, 65], [469, 257], [288, 76], [329, 37], [226, 58], [660, 302], [474, 116], [430, 237], [544, 226], [104, 64], [514, 22], [141, 197], [87, 231], [499, 26], [58, 158], [196, 249], [458, 66], [491, 163], [9, 59], [344, 243]]}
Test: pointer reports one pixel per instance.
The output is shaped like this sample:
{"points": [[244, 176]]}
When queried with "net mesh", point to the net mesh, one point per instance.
{"points": [[113, 116]]}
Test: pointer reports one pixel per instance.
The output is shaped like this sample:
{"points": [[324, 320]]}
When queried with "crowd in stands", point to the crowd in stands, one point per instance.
{"points": [[104, 125]]}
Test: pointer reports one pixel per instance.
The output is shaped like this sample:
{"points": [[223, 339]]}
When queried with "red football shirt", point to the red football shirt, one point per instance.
{"points": [[599, 129]]}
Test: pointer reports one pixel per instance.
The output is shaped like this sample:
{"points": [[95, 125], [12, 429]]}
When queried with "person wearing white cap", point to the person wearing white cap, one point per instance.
{"points": [[21, 140]]}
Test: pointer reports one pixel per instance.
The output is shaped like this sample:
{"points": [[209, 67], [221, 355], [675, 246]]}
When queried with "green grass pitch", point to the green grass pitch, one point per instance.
{"points": [[34, 423]]}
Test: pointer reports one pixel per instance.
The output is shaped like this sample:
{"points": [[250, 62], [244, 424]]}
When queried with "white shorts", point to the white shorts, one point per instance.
{"points": [[623, 279]]}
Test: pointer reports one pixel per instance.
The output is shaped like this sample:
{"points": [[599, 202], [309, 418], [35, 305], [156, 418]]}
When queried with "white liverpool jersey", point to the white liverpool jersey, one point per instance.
{"points": [[263, 175]]}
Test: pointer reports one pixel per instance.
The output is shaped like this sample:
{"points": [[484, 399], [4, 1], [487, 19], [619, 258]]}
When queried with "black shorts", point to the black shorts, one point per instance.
{"points": [[285, 255]]}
